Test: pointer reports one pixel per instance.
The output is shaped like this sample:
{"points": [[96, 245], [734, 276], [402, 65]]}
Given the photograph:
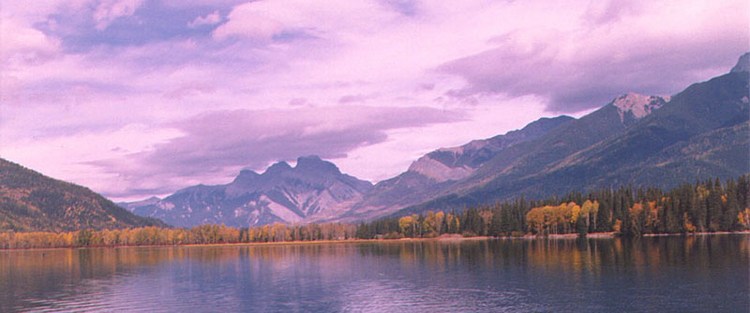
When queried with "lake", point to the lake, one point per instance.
{"points": [[656, 274]]}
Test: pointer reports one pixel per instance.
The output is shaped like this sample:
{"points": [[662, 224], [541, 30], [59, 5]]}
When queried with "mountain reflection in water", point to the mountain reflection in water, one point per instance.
{"points": [[665, 274]]}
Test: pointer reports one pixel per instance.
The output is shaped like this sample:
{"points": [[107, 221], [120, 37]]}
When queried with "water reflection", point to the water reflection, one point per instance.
{"points": [[708, 273]]}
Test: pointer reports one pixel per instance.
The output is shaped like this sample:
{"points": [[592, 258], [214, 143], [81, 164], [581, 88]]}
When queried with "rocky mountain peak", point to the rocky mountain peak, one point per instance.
{"points": [[246, 176], [637, 104], [278, 167], [312, 190], [314, 163], [743, 64]]}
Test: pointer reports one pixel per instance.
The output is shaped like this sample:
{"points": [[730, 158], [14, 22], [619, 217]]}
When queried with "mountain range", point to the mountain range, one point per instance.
{"points": [[635, 139], [312, 190], [701, 132]]}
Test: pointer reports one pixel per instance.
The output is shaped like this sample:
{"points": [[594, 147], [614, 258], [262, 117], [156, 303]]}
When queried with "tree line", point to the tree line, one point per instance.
{"points": [[203, 234], [707, 206]]}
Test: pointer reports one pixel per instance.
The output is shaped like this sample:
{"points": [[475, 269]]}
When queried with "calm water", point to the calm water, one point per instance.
{"points": [[674, 274]]}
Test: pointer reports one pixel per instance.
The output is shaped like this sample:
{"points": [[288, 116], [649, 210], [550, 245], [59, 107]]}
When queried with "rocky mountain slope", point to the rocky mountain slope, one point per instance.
{"points": [[699, 133], [437, 172], [312, 190], [635, 139], [30, 201], [531, 149]]}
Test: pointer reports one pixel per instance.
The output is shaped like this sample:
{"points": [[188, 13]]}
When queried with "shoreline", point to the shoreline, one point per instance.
{"points": [[445, 238], [705, 233]]}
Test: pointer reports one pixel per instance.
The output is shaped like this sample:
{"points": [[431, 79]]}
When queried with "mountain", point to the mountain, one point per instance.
{"points": [[545, 141], [30, 201], [535, 156], [313, 190], [436, 172], [701, 132], [743, 65]]}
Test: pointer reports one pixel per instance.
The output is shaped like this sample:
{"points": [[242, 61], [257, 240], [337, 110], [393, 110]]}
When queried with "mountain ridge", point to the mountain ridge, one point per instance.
{"points": [[311, 190], [31, 201], [414, 185], [632, 139], [707, 113], [539, 154]]}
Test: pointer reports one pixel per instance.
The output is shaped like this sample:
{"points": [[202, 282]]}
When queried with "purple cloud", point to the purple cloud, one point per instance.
{"points": [[130, 23], [217, 141], [160, 94], [356, 98], [405, 7], [587, 68]]}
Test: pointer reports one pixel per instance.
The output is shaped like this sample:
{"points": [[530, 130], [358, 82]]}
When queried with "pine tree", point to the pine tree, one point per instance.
{"points": [[713, 205], [581, 226], [731, 208]]}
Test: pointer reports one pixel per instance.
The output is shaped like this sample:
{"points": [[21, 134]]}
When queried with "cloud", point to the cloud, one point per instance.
{"points": [[76, 153], [109, 10], [356, 98], [651, 53], [610, 11], [218, 144], [268, 20], [22, 44], [210, 19], [249, 24], [215, 86], [405, 7], [123, 23]]}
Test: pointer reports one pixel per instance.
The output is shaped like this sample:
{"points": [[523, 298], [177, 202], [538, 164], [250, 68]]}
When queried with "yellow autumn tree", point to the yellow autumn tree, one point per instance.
{"points": [[744, 218]]}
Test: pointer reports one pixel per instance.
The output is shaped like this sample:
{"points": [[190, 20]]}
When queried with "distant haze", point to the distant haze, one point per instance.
{"points": [[135, 98]]}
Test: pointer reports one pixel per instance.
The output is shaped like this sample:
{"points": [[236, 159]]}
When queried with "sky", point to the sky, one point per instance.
{"points": [[135, 98]]}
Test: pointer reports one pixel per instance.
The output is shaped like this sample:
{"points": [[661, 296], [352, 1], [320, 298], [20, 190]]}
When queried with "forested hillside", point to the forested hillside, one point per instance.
{"points": [[701, 132], [708, 206], [30, 201]]}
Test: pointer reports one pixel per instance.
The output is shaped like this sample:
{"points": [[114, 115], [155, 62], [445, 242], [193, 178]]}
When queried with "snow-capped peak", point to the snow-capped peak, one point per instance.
{"points": [[637, 104]]}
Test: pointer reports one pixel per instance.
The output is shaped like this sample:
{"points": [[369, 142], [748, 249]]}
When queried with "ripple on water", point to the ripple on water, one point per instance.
{"points": [[496, 276], [403, 296]]}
